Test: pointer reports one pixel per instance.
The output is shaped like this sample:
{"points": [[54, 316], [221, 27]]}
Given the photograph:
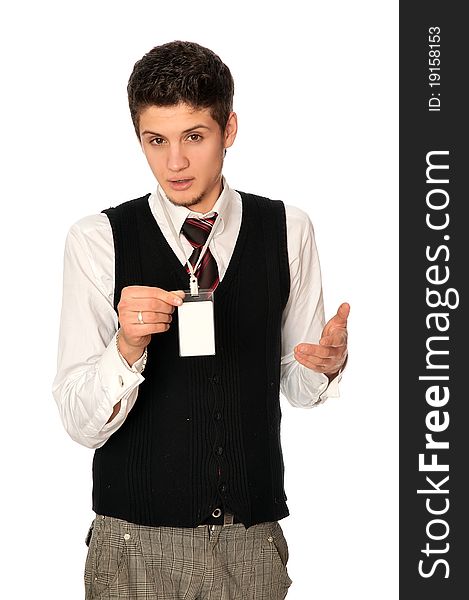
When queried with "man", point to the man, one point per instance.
{"points": [[188, 470]]}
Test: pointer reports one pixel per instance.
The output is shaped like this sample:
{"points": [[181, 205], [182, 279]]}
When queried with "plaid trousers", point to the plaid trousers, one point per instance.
{"points": [[210, 562]]}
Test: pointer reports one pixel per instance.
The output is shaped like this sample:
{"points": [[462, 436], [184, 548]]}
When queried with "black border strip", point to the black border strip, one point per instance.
{"points": [[434, 353]]}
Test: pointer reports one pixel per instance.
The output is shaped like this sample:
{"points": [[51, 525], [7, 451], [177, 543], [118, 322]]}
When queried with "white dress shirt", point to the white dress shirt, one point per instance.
{"points": [[91, 375]]}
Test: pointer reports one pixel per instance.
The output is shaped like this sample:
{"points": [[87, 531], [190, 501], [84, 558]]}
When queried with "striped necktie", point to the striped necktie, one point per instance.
{"points": [[197, 232]]}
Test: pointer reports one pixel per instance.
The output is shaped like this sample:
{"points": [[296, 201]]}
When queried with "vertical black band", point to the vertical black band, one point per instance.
{"points": [[434, 52]]}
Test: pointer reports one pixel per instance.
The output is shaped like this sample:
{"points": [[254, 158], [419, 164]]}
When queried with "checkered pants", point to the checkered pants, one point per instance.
{"points": [[136, 562]]}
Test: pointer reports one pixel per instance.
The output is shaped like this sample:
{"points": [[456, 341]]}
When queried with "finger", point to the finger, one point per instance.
{"points": [[337, 340], [138, 330], [327, 366], [172, 298], [143, 291], [134, 305], [313, 351], [150, 317], [180, 293], [315, 363]]}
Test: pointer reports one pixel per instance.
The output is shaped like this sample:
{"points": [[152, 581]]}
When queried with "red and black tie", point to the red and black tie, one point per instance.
{"points": [[197, 232]]}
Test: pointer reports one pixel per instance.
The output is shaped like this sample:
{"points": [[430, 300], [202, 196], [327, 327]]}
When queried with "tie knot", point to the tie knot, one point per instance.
{"points": [[198, 230]]}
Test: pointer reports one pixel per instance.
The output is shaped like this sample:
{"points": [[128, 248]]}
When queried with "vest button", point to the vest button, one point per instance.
{"points": [[216, 379], [218, 415], [219, 450], [223, 487]]}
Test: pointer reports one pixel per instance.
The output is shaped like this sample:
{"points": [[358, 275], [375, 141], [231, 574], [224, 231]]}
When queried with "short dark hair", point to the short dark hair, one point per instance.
{"points": [[181, 72]]}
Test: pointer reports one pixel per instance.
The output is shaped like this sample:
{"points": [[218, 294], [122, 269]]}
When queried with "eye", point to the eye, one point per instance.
{"points": [[194, 137], [157, 141]]}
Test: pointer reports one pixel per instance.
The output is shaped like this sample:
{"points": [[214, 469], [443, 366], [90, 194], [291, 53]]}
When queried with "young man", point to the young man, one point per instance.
{"points": [[188, 470]]}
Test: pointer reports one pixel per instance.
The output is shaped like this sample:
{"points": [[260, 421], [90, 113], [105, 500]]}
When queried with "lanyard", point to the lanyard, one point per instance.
{"points": [[194, 286]]}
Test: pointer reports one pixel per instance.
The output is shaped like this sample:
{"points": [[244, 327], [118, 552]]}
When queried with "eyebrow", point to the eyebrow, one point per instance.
{"points": [[199, 126]]}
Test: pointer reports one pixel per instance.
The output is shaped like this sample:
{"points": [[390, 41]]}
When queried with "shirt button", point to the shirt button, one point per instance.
{"points": [[270, 538], [126, 536], [121, 381]]}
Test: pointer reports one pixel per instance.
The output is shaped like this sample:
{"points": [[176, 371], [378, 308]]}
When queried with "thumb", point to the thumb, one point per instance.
{"points": [[342, 314], [339, 320]]}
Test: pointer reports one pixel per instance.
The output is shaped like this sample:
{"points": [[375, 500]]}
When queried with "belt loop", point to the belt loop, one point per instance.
{"points": [[227, 519]]}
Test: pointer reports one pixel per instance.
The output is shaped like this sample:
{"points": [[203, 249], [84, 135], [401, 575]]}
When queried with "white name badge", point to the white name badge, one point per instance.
{"points": [[196, 325]]}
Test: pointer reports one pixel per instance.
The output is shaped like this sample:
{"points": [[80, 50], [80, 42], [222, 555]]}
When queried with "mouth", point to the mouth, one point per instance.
{"points": [[180, 184]]}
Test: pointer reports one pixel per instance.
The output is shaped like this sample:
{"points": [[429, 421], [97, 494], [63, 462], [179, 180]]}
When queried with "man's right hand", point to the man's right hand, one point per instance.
{"points": [[156, 307]]}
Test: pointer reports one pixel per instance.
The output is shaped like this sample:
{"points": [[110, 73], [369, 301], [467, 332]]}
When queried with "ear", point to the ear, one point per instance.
{"points": [[231, 130]]}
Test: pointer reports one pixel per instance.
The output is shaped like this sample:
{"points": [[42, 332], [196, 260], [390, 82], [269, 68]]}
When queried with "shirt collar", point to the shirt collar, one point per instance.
{"points": [[179, 214]]}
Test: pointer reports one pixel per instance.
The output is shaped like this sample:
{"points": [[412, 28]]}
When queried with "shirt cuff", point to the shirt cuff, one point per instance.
{"points": [[325, 388], [117, 380], [314, 380], [301, 386], [332, 387]]}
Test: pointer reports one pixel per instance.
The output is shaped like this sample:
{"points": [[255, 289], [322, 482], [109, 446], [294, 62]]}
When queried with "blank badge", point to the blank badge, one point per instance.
{"points": [[196, 325]]}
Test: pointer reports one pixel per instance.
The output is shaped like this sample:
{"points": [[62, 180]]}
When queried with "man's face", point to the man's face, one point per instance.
{"points": [[185, 148]]}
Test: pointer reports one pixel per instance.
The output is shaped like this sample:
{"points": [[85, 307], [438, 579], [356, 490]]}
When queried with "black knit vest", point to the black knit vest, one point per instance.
{"points": [[204, 431]]}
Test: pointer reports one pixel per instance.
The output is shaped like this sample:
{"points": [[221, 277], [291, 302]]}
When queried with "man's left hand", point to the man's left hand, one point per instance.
{"points": [[330, 354]]}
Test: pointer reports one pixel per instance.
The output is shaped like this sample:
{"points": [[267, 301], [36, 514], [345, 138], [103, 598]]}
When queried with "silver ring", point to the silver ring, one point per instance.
{"points": [[140, 318]]}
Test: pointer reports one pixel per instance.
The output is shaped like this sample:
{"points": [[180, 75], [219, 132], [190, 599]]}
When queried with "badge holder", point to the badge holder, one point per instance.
{"points": [[195, 315], [196, 323]]}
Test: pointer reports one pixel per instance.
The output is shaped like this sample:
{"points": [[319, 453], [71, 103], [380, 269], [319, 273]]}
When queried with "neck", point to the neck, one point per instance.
{"points": [[206, 204]]}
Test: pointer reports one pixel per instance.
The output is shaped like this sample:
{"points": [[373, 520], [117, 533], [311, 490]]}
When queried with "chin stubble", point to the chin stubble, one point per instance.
{"points": [[188, 203]]}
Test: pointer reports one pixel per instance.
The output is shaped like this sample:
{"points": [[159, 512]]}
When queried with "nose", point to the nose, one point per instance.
{"points": [[177, 161]]}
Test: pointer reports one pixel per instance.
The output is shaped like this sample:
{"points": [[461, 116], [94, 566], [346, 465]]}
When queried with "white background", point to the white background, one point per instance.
{"points": [[316, 95]]}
